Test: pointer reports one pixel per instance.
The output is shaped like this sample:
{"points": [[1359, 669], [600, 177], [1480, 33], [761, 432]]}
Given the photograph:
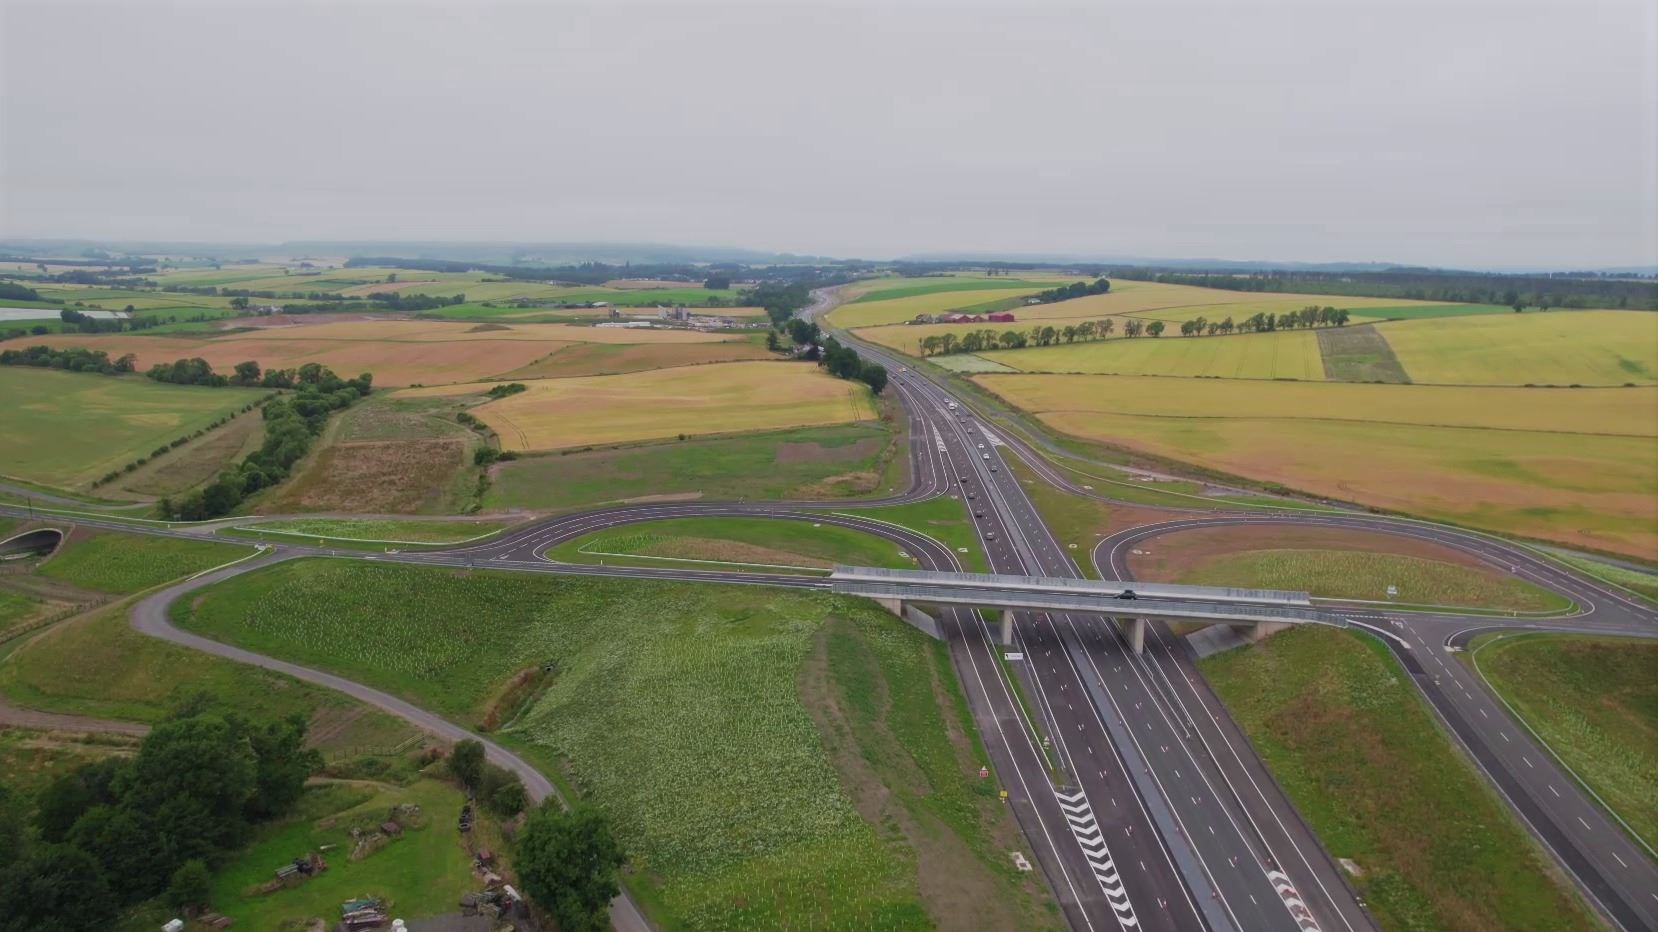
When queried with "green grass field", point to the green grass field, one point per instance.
{"points": [[1556, 348], [67, 429], [1594, 701], [899, 288], [1291, 354], [15, 606], [1642, 583], [675, 707], [422, 873], [109, 561], [812, 462], [1357, 751], [945, 518], [755, 542], [380, 531], [1347, 574]]}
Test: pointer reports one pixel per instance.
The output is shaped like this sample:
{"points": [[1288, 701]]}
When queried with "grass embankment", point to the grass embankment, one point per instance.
{"points": [[109, 561], [829, 462], [378, 531], [1594, 702], [944, 518], [756, 543], [676, 707], [1351, 574], [1364, 761], [1641, 583]]}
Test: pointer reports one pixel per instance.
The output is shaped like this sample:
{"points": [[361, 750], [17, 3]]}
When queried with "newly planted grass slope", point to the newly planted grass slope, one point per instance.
{"points": [[1357, 575], [1363, 760], [1594, 701], [109, 561], [66, 429], [675, 707], [749, 541]]}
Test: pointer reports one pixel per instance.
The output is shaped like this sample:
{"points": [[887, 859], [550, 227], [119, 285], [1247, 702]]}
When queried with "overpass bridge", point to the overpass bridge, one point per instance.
{"points": [[1263, 610]]}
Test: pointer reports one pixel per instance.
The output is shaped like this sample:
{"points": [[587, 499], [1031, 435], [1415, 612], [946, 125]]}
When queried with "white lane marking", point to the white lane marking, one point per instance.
{"points": [[1620, 860], [1087, 831]]}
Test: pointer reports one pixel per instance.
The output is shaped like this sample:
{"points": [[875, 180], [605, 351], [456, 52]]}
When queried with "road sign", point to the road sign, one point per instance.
{"points": [[1392, 591], [984, 772], [1002, 796], [1013, 655]]}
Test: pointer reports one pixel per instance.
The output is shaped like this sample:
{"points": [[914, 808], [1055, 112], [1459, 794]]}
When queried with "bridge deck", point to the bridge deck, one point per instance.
{"points": [[1060, 585]]}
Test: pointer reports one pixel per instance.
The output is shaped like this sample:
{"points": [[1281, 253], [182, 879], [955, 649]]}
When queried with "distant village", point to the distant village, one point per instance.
{"points": [[998, 317]]}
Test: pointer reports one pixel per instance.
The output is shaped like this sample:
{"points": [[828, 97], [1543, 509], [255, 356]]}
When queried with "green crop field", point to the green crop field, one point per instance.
{"points": [[1330, 710], [1594, 701], [1359, 575], [902, 287], [67, 429], [1291, 354], [1556, 348], [820, 463], [675, 707], [756, 542], [109, 561]]}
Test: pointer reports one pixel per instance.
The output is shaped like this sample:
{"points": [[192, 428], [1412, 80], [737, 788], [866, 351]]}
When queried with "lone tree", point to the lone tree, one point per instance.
{"points": [[568, 862], [466, 761]]}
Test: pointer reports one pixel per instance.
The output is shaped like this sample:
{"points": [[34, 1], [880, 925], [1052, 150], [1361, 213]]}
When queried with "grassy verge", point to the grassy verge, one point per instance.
{"points": [[372, 531], [752, 542], [1364, 761], [109, 561], [944, 518], [1352, 574], [829, 462], [1076, 522], [676, 707], [1642, 584], [1594, 701]]}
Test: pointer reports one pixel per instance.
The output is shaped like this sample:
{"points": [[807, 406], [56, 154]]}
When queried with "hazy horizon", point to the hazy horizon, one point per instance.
{"points": [[1474, 135]]}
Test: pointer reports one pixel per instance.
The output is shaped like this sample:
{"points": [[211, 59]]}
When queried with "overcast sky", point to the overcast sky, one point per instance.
{"points": [[1493, 134]]}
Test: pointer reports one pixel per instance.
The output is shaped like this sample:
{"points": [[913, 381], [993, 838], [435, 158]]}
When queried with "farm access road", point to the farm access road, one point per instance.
{"points": [[1142, 802]]}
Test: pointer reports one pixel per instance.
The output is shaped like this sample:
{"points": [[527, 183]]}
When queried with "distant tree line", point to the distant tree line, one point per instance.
{"points": [[782, 300], [842, 362], [1567, 290], [122, 830], [974, 341], [12, 291], [597, 273], [1073, 290], [71, 359], [292, 422]]}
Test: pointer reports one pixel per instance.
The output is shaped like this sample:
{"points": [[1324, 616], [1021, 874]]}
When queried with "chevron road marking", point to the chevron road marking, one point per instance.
{"points": [[1292, 901], [1087, 831]]}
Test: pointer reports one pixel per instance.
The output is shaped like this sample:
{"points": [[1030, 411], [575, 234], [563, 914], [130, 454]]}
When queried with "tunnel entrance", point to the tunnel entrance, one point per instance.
{"points": [[39, 542]]}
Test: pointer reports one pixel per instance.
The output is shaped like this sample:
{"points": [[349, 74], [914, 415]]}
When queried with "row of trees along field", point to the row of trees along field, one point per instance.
{"points": [[1566, 290], [842, 362], [974, 341], [292, 422], [124, 830]]}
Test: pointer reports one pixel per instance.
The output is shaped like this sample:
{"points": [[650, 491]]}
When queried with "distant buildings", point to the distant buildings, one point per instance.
{"points": [[999, 317]]}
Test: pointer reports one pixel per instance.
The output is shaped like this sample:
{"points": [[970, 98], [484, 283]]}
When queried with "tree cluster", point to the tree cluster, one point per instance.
{"points": [[780, 299], [121, 831], [503, 390], [1074, 290], [291, 424], [717, 282], [567, 860], [495, 787], [12, 291], [72, 359], [843, 362], [397, 301]]}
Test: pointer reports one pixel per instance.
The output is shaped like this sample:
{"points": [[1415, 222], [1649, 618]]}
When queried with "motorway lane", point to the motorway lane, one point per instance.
{"points": [[1097, 688]]}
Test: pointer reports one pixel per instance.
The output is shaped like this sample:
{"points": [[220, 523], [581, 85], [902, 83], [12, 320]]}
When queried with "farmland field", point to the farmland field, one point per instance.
{"points": [[1574, 466], [615, 358], [1281, 355], [1556, 348], [824, 462], [67, 429], [678, 709], [1327, 708], [1594, 701], [751, 541], [716, 398]]}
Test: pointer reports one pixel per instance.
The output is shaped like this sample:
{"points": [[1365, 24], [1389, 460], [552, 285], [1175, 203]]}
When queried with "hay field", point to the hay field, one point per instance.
{"points": [[1281, 355], [66, 429], [693, 400], [442, 331], [1578, 466], [1554, 348], [580, 359]]}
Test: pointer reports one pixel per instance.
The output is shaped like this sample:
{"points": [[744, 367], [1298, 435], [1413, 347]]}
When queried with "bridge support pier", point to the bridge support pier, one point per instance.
{"points": [[1007, 628], [1260, 630], [1137, 634], [895, 606]]}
